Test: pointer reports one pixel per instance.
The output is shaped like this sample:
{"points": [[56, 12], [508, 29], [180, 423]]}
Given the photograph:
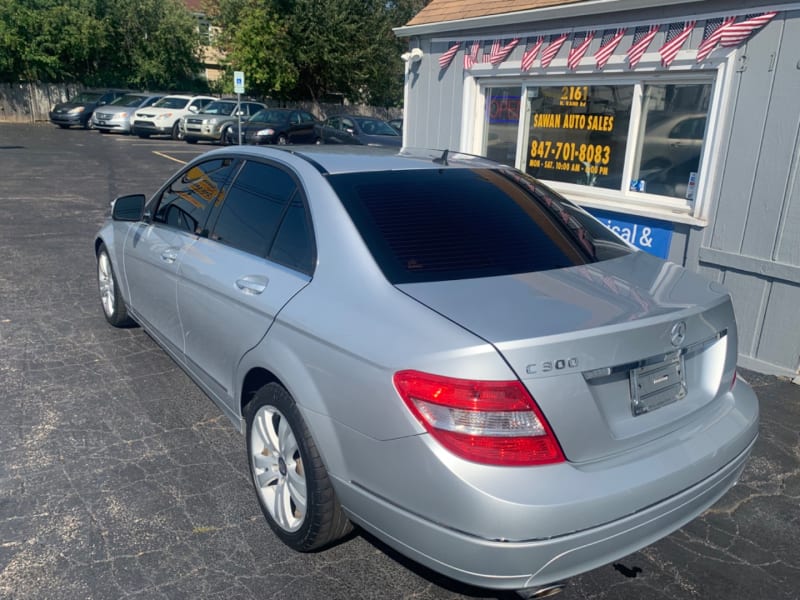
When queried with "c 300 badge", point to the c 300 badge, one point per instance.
{"points": [[552, 365], [678, 333]]}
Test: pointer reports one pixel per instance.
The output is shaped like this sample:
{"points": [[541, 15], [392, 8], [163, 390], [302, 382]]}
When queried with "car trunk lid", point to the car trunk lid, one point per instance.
{"points": [[616, 353]]}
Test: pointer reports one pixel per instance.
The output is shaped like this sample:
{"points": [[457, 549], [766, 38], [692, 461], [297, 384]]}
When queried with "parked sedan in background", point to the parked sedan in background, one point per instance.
{"points": [[117, 115], [440, 349], [350, 129], [163, 117], [78, 110], [279, 126], [218, 121], [397, 124]]}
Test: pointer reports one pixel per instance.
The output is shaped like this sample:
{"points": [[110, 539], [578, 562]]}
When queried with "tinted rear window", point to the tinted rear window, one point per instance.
{"points": [[437, 225]]}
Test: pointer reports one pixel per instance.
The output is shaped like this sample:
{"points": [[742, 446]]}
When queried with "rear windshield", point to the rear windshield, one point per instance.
{"points": [[444, 224]]}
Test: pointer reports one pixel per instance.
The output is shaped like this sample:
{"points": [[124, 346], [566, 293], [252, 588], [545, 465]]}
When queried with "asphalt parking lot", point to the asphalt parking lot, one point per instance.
{"points": [[120, 479]]}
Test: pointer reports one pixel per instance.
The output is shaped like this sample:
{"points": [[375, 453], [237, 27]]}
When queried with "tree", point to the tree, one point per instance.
{"points": [[254, 39], [314, 48], [152, 44], [49, 40], [141, 43]]}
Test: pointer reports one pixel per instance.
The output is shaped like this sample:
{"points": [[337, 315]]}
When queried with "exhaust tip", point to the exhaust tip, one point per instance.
{"points": [[542, 591]]}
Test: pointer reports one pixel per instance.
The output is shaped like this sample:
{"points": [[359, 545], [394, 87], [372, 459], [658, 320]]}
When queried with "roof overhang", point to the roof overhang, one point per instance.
{"points": [[564, 11]]}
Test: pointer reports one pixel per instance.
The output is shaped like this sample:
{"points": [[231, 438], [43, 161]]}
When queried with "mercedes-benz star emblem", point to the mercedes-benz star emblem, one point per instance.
{"points": [[678, 333]]}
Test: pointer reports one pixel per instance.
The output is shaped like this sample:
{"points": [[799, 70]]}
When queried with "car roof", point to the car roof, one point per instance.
{"points": [[334, 159]]}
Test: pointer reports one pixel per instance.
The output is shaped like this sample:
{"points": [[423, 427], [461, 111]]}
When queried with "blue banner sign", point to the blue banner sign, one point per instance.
{"points": [[650, 235]]}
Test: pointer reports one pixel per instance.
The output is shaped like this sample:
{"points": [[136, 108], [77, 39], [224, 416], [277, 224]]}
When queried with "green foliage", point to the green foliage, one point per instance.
{"points": [[141, 43], [316, 48], [254, 39], [287, 48]]}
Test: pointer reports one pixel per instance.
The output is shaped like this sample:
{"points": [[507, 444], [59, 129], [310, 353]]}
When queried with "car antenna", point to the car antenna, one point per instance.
{"points": [[442, 160]]}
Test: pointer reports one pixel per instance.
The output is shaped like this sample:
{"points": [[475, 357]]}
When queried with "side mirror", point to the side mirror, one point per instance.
{"points": [[128, 208], [193, 109]]}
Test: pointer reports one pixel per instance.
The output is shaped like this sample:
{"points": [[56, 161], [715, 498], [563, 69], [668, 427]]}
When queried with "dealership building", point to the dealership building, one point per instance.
{"points": [[674, 122]]}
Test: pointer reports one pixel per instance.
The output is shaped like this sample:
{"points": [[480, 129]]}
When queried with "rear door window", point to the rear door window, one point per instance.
{"points": [[253, 209], [443, 224]]}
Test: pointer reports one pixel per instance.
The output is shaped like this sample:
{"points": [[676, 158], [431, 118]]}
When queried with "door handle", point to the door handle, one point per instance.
{"points": [[169, 255], [252, 284]]}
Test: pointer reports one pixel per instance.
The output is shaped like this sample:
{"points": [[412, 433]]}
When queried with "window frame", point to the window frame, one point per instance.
{"points": [[719, 76], [299, 193]]}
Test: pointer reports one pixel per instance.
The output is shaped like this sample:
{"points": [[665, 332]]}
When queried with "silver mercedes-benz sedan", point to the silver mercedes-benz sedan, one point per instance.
{"points": [[439, 349]]}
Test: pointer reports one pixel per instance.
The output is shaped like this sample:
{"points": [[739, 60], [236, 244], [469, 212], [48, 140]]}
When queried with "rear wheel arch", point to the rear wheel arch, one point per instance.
{"points": [[255, 379]]}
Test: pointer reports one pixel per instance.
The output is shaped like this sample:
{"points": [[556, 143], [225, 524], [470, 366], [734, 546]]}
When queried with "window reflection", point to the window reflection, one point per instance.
{"points": [[673, 126]]}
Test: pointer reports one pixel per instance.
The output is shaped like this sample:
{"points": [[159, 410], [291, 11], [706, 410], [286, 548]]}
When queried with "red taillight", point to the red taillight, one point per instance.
{"points": [[491, 422]]}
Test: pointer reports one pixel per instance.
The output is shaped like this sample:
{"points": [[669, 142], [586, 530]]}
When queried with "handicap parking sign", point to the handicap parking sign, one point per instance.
{"points": [[238, 82]]}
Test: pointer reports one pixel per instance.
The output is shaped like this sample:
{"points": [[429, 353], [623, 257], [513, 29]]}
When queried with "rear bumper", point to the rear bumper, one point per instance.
{"points": [[516, 565]]}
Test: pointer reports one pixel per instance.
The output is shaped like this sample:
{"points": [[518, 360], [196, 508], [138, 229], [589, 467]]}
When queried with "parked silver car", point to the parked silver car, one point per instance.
{"points": [[438, 349], [116, 116], [218, 122]]}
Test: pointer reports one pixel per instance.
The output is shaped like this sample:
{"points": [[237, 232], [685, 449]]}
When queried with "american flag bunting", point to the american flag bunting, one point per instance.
{"points": [[552, 49], [642, 37], [577, 52], [531, 52], [737, 33], [500, 53], [493, 48], [677, 35], [447, 57], [471, 55], [712, 33], [608, 43]]}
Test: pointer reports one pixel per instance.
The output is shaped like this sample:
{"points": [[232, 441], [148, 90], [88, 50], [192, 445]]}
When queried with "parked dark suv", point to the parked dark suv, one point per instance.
{"points": [[78, 110]]}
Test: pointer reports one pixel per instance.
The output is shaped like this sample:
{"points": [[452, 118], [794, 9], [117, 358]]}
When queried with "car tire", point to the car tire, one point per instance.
{"points": [[103, 130], [190, 140], [282, 140], [88, 124], [144, 136], [290, 479], [226, 136], [318, 141], [114, 309], [177, 134], [63, 126]]}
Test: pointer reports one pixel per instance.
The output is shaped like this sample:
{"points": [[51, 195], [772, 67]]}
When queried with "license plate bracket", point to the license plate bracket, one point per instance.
{"points": [[657, 384]]}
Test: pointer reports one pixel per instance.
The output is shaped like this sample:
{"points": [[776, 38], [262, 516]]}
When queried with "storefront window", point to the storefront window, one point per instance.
{"points": [[582, 134], [579, 133], [502, 123], [673, 125]]}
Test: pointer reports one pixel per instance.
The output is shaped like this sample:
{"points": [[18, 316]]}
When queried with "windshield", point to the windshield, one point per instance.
{"points": [[376, 127], [86, 98], [269, 116], [445, 224], [219, 108], [171, 102], [128, 100]]}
